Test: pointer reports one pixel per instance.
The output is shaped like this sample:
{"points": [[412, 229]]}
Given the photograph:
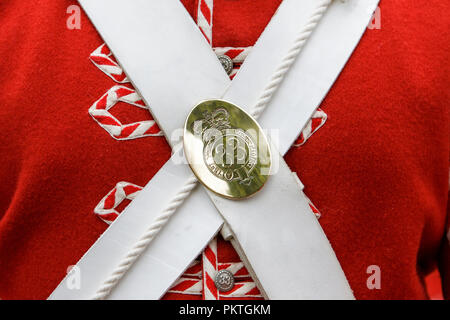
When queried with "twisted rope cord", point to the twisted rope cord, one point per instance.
{"points": [[278, 76], [152, 231], [145, 239]]}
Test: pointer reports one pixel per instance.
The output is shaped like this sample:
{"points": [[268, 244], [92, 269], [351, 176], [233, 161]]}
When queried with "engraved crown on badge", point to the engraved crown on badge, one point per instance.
{"points": [[225, 149]]}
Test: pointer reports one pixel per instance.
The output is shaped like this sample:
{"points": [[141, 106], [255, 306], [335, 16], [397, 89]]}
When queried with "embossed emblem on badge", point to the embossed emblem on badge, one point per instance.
{"points": [[234, 156], [226, 149]]}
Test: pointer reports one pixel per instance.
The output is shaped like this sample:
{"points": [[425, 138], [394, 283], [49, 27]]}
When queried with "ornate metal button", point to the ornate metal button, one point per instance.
{"points": [[226, 62], [226, 149], [224, 280]]}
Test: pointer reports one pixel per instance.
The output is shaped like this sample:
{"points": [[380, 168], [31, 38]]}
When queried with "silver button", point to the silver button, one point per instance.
{"points": [[224, 280], [226, 62]]}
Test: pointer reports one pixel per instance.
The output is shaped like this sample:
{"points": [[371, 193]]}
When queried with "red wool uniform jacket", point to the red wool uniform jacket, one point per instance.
{"points": [[374, 159]]}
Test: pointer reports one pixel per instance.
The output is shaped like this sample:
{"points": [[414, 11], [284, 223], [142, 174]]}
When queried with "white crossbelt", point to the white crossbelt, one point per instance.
{"points": [[174, 75]]}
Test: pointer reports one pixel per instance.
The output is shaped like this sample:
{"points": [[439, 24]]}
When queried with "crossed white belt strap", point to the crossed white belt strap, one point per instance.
{"points": [[172, 80]]}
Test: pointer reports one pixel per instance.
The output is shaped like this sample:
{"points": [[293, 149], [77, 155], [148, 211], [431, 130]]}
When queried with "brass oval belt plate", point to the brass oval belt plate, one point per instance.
{"points": [[226, 149]]}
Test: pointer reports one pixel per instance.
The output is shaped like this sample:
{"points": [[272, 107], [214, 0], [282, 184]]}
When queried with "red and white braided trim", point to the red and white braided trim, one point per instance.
{"points": [[190, 286], [187, 286], [211, 267], [242, 289], [237, 54], [198, 279], [194, 270], [314, 208], [106, 208], [191, 281], [103, 59], [315, 123], [188, 283], [100, 113], [209, 260], [205, 18], [238, 269]]}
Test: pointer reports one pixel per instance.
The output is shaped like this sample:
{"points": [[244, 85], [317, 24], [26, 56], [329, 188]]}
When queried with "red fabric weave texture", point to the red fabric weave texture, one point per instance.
{"points": [[378, 170]]}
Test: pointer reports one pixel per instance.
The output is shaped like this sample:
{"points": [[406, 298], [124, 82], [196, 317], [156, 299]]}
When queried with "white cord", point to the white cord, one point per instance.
{"points": [[145, 240], [152, 231], [289, 59]]}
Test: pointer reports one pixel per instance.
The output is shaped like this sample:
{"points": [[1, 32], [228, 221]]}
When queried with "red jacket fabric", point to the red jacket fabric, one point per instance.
{"points": [[378, 169]]}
